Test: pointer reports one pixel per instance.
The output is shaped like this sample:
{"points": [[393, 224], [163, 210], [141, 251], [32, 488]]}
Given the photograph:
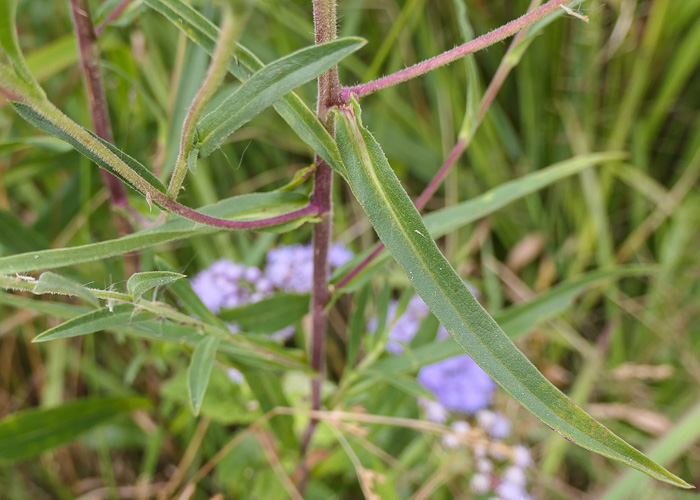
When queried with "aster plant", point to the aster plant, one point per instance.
{"points": [[260, 319]]}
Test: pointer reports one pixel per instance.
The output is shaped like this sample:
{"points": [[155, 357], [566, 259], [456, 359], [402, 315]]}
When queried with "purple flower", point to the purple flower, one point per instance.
{"points": [[290, 268], [224, 285], [406, 326], [458, 384]]}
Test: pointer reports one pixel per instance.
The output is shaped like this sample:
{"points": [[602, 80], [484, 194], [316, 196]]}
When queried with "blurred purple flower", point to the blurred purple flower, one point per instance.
{"points": [[458, 384], [290, 268], [225, 285]]}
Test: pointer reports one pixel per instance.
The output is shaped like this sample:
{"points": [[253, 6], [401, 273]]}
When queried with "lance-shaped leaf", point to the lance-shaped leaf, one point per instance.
{"points": [[291, 108], [245, 207], [267, 86], [45, 124], [199, 370], [95, 321], [31, 432], [140, 283], [399, 225]]}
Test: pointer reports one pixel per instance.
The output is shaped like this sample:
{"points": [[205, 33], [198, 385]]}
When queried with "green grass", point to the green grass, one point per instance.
{"points": [[579, 89]]}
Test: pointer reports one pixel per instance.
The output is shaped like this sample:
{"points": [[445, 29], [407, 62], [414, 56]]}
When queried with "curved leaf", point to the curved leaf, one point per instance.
{"points": [[291, 108], [268, 85], [399, 225]]}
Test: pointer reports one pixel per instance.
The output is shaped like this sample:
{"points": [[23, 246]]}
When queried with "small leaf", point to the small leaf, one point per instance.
{"points": [[267, 86], [140, 283], [95, 321], [199, 370], [31, 432], [269, 315], [55, 283], [399, 225]]}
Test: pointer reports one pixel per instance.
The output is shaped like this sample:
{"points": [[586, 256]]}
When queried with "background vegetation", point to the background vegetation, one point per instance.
{"points": [[625, 347]]}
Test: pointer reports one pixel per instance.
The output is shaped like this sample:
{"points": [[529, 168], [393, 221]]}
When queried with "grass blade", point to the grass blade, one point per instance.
{"points": [[399, 225], [269, 315], [31, 432]]}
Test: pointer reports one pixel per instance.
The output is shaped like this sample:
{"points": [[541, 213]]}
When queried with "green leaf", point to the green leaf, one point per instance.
{"points": [[251, 206], [189, 298], [267, 86], [269, 315], [448, 219], [441, 222], [43, 123], [291, 108], [31, 432], [399, 225], [199, 370], [140, 283], [55, 283], [95, 321], [10, 44]]}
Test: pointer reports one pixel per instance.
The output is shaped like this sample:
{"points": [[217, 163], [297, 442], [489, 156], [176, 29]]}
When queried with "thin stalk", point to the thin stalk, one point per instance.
{"points": [[325, 29], [56, 116], [482, 42], [92, 78], [99, 114], [215, 76]]}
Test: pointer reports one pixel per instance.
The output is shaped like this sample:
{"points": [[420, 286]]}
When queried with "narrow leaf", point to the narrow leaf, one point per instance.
{"points": [[43, 123], [95, 321], [31, 432], [402, 230], [448, 219], [55, 283], [267, 86], [291, 108], [140, 283], [199, 370], [251, 206]]}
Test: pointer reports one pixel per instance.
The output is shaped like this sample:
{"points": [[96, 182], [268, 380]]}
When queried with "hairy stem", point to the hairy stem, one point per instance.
{"points": [[99, 113], [325, 21], [92, 78], [215, 76], [482, 42]]}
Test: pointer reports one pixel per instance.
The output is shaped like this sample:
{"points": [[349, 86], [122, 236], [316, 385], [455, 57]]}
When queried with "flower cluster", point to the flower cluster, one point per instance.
{"points": [[226, 284], [461, 387]]}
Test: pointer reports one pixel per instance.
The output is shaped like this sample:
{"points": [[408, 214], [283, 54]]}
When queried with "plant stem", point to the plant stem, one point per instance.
{"points": [[215, 76], [92, 78], [99, 113], [325, 22], [452, 55]]}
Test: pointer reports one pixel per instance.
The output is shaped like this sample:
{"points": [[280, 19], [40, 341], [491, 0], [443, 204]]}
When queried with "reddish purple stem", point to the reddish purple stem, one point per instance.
{"points": [[482, 42]]}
